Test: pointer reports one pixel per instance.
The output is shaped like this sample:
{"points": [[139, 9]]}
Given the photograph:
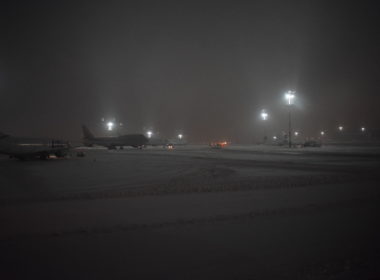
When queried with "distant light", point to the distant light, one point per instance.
{"points": [[296, 133], [180, 136], [340, 128], [289, 96], [149, 133], [121, 124], [362, 129], [274, 137], [264, 115], [322, 133], [110, 126]]}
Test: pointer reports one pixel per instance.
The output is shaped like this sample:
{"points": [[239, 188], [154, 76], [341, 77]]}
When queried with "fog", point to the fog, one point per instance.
{"points": [[199, 67]]}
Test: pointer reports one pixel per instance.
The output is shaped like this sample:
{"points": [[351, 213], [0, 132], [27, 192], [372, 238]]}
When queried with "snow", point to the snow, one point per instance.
{"points": [[243, 212]]}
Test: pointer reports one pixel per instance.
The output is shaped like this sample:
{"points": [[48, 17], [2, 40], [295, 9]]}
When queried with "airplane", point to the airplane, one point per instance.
{"points": [[133, 140], [155, 141], [166, 143], [23, 148]]}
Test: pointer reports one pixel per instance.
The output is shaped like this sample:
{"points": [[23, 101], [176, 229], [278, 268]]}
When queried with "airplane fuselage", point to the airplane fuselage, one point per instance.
{"points": [[134, 140], [28, 147]]}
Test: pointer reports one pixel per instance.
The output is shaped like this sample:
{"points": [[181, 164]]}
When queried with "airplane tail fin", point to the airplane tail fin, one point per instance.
{"points": [[87, 133]]}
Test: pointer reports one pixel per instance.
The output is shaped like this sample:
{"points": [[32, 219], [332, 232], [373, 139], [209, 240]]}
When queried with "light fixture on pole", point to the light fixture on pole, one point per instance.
{"points": [[264, 116], [290, 96], [110, 126]]}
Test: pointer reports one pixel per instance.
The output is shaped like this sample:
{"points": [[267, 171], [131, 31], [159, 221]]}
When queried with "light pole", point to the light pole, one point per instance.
{"points": [[289, 96], [264, 116], [110, 126], [322, 135]]}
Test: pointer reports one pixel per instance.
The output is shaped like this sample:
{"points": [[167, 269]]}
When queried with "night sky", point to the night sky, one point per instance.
{"points": [[204, 68]]}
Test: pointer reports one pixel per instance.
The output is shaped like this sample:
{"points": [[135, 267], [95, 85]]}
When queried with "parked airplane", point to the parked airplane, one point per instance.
{"points": [[155, 141], [22, 148], [134, 140], [166, 143]]}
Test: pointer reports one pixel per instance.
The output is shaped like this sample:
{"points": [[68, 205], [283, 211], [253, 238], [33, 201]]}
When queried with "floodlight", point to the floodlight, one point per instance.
{"points": [[110, 125], [264, 115], [289, 96]]}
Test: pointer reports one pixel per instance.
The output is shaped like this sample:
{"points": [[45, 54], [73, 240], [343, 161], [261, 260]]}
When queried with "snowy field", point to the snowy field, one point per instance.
{"points": [[243, 212]]}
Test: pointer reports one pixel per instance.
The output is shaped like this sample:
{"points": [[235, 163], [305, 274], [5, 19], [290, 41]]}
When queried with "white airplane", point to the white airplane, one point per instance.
{"points": [[133, 140], [23, 148], [155, 141]]}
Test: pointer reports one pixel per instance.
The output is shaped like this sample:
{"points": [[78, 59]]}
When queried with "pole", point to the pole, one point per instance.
{"points": [[265, 133], [290, 128]]}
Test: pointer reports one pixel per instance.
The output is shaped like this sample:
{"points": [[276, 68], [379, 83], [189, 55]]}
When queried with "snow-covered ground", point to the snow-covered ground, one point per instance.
{"points": [[243, 212]]}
